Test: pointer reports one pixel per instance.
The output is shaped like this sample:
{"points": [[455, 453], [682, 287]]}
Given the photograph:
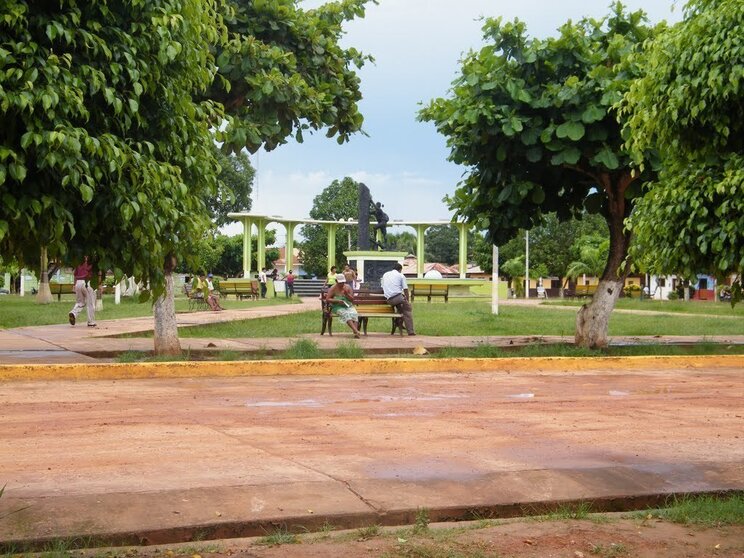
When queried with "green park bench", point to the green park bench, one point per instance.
{"points": [[241, 288], [61, 288], [430, 291], [585, 290]]}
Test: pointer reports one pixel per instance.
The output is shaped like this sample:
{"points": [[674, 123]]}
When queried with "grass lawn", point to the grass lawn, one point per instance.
{"points": [[475, 318], [672, 306], [16, 311]]}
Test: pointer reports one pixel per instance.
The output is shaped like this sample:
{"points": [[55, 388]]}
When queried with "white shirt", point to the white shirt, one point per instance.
{"points": [[210, 286], [262, 277], [393, 283]]}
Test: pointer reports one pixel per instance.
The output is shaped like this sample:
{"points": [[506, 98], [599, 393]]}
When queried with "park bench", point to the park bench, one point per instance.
{"points": [[430, 291], [240, 288], [61, 288], [584, 290], [369, 304], [195, 302]]}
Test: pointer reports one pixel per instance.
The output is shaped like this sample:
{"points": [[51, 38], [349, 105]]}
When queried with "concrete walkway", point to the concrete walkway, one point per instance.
{"points": [[159, 460]]}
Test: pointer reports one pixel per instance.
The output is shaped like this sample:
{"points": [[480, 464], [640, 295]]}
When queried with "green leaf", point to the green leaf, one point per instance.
{"points": [[144, 296], [534, 154], [607, 158], [592, 114], [572, 130]]}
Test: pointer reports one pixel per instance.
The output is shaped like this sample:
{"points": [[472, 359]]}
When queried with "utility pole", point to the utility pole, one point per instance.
{"points": [[526, 264], [495, 281]]}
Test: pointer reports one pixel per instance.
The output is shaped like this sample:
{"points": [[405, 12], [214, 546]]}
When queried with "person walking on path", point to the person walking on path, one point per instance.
{"points": [[341, 298], [289, 284], [395, 289], [85, 296], [262, 281]]}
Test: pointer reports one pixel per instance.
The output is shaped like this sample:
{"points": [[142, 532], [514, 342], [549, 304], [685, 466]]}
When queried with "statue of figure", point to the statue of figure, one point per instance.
{"points": [[382, 221]]}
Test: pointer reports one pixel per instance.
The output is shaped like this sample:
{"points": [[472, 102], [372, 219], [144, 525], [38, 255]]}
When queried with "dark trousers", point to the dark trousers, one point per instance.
{"points": [[263, 290], [404, 307]]}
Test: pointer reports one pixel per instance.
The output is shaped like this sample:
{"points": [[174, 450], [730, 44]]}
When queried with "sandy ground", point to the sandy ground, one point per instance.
{"points": [[607, 536], [162, 452]]}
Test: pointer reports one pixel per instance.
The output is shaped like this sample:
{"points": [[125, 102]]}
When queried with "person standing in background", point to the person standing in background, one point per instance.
{"points": [[262, 281], [85, 296], [290, 284]]}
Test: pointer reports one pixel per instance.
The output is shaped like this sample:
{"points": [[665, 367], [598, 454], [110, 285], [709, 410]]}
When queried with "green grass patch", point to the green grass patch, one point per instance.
{"points": [[709, 511], [349, 349], [22, 311], [302, 349], [475, 318], [279, 537], [671, 306], [552, 350]]}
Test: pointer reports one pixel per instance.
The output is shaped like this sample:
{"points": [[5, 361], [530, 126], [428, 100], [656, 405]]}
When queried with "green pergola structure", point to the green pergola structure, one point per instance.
{"points": [[251, 220]]}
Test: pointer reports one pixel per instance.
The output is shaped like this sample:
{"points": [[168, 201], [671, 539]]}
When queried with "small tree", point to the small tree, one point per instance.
{"points": [[535, 122], [338, 201], [690, 105]]}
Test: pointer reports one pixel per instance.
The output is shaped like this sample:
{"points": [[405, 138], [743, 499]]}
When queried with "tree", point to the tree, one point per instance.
{"points": [[338, 201], [402, 242], [535, 122], [110, 117], [689, 104], [442, 244], [235, 184], [591, 251]]}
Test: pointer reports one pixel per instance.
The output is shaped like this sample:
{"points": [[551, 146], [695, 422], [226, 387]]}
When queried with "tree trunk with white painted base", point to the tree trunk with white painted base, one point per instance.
{"points": [[593, 319], [164, 310], [44, 296]]}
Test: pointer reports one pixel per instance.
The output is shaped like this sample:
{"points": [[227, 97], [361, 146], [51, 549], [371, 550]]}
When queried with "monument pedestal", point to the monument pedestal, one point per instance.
{"points": [[372, 264]]}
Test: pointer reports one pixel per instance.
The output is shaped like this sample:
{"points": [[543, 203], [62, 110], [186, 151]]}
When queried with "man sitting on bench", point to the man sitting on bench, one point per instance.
{"points": [[395, 289]]}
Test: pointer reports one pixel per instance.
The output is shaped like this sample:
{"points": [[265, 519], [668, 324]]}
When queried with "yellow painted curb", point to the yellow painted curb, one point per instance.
{"points": [[346, 367]]}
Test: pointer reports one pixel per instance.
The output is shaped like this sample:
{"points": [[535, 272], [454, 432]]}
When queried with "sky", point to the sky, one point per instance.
{"points": [[417, 46]]}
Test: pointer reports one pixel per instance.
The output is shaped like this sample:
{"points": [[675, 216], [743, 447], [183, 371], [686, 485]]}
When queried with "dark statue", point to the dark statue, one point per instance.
{"points": [[366, 205], [382, 221]]}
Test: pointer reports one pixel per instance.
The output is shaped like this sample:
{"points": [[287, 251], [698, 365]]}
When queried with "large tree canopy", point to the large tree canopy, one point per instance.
{"points": [[338, 201], [282, 71], [534, 121], [110, 108], [690, 105], [105, 144], [235, 185]]}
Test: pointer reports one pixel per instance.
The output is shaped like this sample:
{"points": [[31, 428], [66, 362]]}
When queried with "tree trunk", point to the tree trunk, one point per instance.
{"points": [[164, 310], [592, 321], [44, 296]]}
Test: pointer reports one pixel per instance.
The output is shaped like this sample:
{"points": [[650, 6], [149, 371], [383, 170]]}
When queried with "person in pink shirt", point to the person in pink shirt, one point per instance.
{"points": [[85, 296]]}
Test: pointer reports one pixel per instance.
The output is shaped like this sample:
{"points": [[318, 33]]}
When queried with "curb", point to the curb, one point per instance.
{"points": [[219, 530], [329, 367]]}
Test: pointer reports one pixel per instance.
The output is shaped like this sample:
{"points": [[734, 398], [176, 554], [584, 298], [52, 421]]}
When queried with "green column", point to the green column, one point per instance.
{"points": [[261, 247], [289, 250], [247, 248], [463, 259], [331, 245], [420, 230]]}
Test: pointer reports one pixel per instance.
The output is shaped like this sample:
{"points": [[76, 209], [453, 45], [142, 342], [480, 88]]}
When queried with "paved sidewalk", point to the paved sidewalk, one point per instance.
{"points": [[179, 459]]}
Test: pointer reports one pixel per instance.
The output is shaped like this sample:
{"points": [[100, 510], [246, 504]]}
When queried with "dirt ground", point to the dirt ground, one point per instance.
{"points": [[606, 536]]}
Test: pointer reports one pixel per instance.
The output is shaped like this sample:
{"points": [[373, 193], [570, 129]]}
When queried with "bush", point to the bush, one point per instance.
{"points": [[673, 295], [632, 291]]}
